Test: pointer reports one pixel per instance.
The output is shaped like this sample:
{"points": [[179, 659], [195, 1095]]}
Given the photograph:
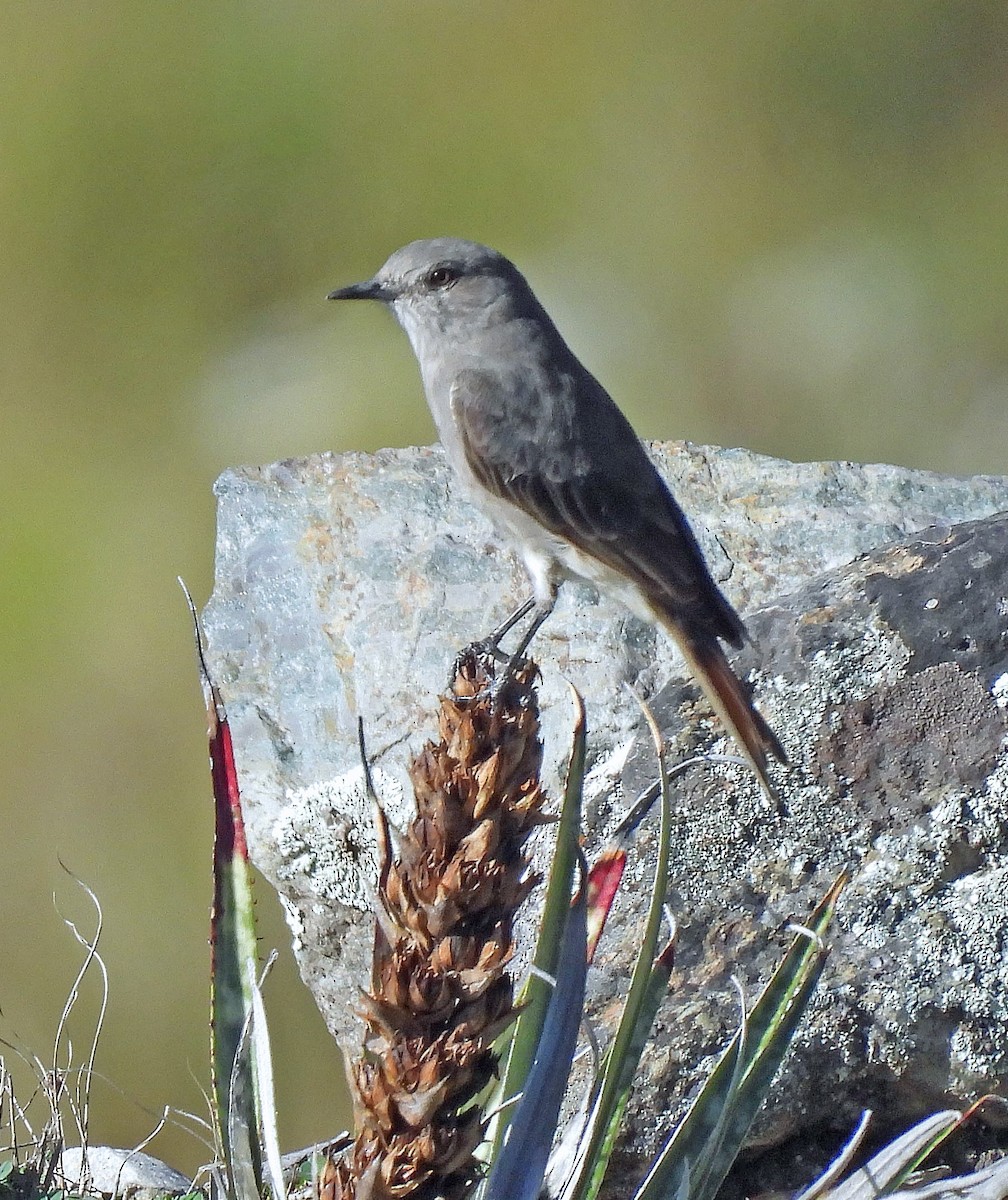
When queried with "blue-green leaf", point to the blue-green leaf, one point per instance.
{"points": [[518, 1170], [535, 995]]}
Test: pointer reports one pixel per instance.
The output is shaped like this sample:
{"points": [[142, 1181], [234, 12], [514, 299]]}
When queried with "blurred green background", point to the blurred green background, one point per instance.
{"points": [[781, 225]]}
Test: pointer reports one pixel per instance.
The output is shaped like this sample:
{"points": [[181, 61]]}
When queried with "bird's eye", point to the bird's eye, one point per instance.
{"points": [[442, 276]]}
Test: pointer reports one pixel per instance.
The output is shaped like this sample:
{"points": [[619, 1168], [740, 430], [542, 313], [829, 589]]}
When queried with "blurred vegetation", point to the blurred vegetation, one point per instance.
{"points": [[780, 225]]}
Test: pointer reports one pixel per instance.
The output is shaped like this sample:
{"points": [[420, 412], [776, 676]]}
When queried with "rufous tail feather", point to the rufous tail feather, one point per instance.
{"points": [[731, 702]]}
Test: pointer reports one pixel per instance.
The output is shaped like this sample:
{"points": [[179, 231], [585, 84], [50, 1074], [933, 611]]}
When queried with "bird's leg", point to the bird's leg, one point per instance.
{"points": [[493, 639], [542, 611], [545, 585], [490, 645]]}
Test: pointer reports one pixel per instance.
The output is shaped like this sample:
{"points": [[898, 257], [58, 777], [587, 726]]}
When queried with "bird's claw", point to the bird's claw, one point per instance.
{"points": [[489, 655], [484, 656]]}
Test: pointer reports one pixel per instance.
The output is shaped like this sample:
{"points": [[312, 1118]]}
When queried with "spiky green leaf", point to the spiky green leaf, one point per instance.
{"points": [[518, 1169], [234, 954], [890, 1167], [707, 1141], [620, 1063], [535, 995]]}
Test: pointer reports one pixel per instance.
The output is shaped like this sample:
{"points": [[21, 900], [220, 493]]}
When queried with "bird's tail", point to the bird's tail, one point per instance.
{"points": [[731, 702]]}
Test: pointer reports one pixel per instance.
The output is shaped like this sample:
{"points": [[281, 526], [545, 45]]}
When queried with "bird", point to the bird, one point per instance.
{"points": [[541, 447]]}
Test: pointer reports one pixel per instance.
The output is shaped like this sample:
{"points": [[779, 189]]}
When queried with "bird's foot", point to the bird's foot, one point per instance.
{"points": [[474, 667], [478, 677], [480, 659]]}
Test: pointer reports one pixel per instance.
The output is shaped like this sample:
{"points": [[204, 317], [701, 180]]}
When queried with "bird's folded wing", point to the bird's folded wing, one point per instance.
{"points": [[563, 453]]}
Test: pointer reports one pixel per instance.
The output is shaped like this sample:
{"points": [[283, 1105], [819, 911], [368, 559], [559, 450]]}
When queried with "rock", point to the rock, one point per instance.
{"points": [[128, 1173], [878, 600]]}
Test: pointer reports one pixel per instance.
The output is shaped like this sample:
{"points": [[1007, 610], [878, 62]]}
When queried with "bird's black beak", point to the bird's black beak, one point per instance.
{"points": [[370, 289]]}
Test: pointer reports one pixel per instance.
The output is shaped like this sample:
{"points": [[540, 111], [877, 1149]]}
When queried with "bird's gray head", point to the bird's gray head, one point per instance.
{"points": [[445, 288]]}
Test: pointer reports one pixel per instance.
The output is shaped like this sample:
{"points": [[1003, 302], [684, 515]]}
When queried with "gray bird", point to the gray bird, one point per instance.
{"points": [[542, 448]]}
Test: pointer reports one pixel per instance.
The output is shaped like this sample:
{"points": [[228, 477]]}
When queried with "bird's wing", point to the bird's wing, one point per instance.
{"points": [[558, 448]]}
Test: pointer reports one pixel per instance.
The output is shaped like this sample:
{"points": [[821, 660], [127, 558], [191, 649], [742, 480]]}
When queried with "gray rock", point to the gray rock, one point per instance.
{"points": [[345, 585], [116, 1172]]}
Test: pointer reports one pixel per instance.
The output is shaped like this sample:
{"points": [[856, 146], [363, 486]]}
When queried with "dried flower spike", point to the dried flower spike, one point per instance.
{"points": [[440, 994]]}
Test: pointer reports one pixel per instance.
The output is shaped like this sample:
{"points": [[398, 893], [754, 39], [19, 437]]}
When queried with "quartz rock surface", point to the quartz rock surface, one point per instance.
{"points": [[877, 598]]}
